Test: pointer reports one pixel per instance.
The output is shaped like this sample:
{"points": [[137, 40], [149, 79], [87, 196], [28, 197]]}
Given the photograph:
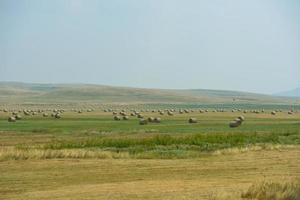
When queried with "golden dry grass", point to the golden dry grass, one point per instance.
{"points": [[199, 178], [14, 153], [289, 190]]}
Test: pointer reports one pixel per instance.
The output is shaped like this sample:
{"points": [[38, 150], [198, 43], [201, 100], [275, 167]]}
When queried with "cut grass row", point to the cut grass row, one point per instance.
{"points": [[202, 142]]}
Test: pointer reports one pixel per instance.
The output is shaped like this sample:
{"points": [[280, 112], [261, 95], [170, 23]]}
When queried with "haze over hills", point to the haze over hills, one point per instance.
{"points": [[290, 93], [15, 92]]}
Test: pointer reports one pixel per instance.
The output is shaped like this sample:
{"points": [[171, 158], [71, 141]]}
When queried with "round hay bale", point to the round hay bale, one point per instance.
{"points": [[150, 119], [234, 124], [170, 113], [157, 120], [193, 120], [123, 113], [26, 112], [125, 118], [143, 122], [45, 114], [140, 116], [12, 119], [57, 116], [242, 118], [273, 113], [117, 118], [18, 117]]}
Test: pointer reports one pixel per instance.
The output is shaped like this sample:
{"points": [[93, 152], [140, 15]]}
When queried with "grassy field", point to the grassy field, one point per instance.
{"points": [[91, 156]]}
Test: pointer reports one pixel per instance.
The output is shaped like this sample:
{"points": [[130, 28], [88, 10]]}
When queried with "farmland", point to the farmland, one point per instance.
{"points": [[90, 155]]}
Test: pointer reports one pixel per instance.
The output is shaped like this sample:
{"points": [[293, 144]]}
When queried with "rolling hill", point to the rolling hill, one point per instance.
{"points": [[15, 92], [290, 93]]}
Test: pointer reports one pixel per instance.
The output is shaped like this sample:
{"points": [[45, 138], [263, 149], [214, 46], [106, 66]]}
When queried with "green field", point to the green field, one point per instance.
{"points": [[48, 158], [173, 137]]}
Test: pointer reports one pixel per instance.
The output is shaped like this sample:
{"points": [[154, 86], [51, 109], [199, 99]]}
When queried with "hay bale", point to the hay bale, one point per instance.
{"points": [[193, 120], [123, 113], [140, 116], [18, 117], [242, 118], [235, 123], [157, 120], [273, 113], [143, 122], [57, 116], [12, 119], [150, 119], [117, 118], [170, 113], [26, 112], [125, 118], [45, 114]]}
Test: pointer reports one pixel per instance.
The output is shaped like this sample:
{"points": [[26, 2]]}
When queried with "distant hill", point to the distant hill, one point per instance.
{"points": [[290, 93], [14, 92]]}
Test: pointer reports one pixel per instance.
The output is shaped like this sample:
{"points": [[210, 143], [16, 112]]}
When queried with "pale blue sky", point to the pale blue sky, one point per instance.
{"points": [[248, 45]]}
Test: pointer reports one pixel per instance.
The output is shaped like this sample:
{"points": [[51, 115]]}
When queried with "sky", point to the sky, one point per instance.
{"points": [[249, 45]]}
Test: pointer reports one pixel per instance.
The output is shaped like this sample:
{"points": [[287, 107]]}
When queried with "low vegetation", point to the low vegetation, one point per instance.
{"points": [[273, 191]]}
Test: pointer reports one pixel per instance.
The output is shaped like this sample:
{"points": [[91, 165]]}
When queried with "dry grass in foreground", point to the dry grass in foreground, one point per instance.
{"points": [[274, 191], [265, 190], [151, 179]]}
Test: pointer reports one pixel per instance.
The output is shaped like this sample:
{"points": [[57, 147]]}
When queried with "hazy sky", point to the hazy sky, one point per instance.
{"points": [[249, 45]]}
